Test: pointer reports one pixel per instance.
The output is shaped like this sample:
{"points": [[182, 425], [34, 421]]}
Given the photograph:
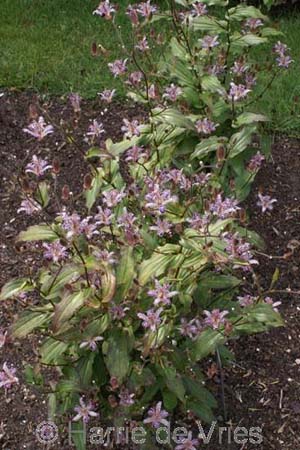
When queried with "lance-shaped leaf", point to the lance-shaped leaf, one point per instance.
{"points": [[209, 24], [159, 262], [173, 382], [125, 273], [40, 232], [51, 351], [117, 358], [247, 118], [67, 307], [42, 194], [242, 12], [241, 140], [92, 193], [15, 287], [108, 283], [28, 322], [206, 343]]}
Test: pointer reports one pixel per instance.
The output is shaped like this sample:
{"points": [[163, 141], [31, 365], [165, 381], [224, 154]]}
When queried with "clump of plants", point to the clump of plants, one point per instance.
{"points": [[147, 272]]}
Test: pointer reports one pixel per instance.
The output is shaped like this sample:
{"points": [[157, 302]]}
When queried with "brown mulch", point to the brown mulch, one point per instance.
{"points": [[262, 389]]}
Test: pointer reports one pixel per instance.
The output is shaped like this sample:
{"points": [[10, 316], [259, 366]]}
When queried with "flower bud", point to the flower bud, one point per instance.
{"points": [[112, 401], [114, 383], [55, 166], [242, 215], [33, 112], [220, 153], [65, 193], [26, 186], [87, 182]]}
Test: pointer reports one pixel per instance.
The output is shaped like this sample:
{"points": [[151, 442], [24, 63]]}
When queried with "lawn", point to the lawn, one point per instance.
{"points": [[46, 45]]}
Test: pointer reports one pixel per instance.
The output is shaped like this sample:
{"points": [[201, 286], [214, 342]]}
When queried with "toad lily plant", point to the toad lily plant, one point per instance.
{"points": [[149, 271]]}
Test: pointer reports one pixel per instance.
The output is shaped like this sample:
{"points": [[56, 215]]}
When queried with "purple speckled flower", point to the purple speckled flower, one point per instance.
{"points": [[280, 48], [246, 300], [157, 416], [162, 227], [188, 444], [91, 343], [135, 153], [118, 67], [151, 319], [215, 318], [143, 45], [127, 220], [126, 398], [145, 9], [37, 166], [105, 255], [39, 129], [157, 199], [84, 412], [105, 9], [172, 92], [198, 221], [131, 128], [238, 249], [209, 42], [284, 61], [29, 206], [205, 126], [113, 197], [95, 129], [256, 162], [104, 216], [253, 24], [132, 13], [224, 208], [107, 95], [271, 302], [199, 9], [135, 78], [238, 92], [162, 293], [239, 68], [190, 329], [118, 312], [8, 377], [266, 202], [55, 251]]}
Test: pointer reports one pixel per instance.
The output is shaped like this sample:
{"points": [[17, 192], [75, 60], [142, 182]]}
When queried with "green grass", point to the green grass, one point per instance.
{"points": [[45, 45]]}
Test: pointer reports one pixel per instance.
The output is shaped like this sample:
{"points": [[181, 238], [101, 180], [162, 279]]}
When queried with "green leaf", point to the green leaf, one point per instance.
{"points": [[42, 194], [40, 232], [117, 358], [241, 140], [206, 343], [247, 40], [263, 312], [207, 146], [174, 118], [67, 307], [203, 411], [125, 272], [218, 281], [169, 399], [28, 322], [209, 24], [212, 84], [248, 118], [15, 287], [91, 195], [158, 263], [78, 435], [173, 382], [85, 369], [52, 350], [242, 12], [199, 392]]}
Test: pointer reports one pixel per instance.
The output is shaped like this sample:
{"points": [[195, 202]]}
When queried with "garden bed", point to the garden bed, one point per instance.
{"points": [[264, 388]]}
